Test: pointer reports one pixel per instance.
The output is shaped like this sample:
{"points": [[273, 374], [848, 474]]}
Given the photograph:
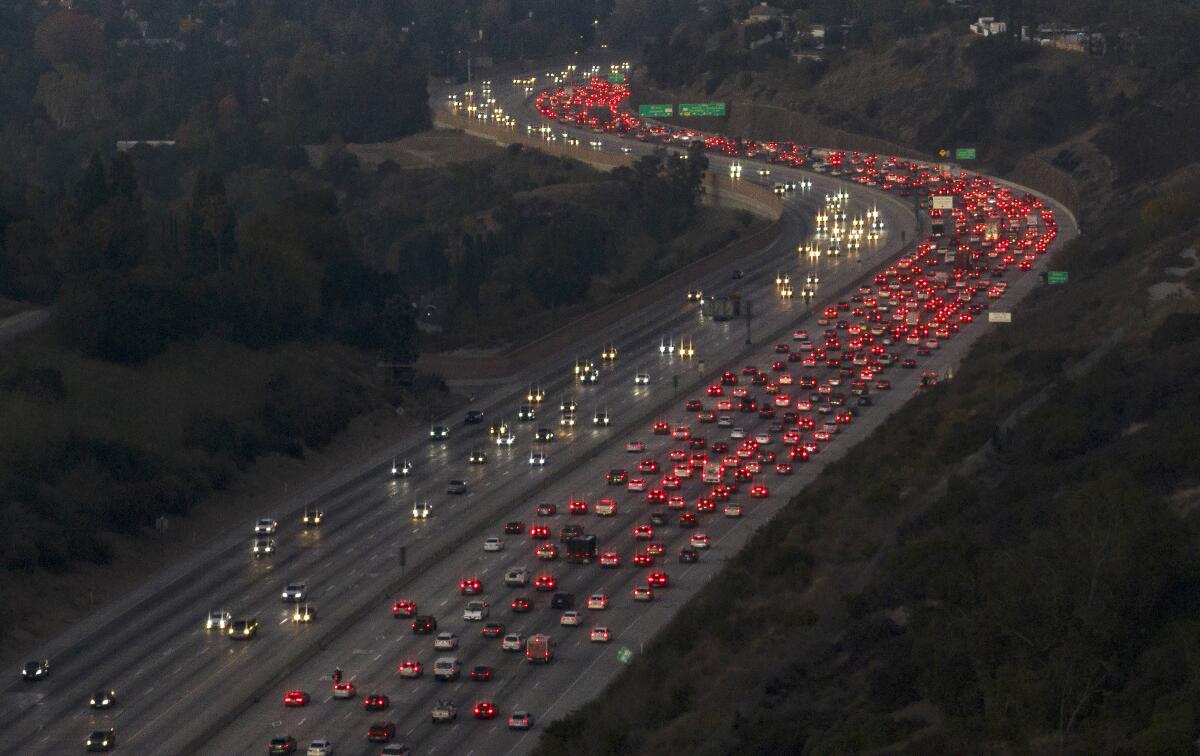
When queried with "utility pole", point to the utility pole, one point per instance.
{"points": [[749, 317]]}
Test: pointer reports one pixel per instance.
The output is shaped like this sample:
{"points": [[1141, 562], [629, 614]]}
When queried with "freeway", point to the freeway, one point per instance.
{"points": [[178, 683]]}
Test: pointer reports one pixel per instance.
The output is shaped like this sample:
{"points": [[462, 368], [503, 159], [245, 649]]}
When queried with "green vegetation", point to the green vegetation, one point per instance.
{"points": [[926, 597]]}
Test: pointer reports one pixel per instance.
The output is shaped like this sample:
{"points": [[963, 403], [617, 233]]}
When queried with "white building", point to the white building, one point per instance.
{"points": [[986, 26]]}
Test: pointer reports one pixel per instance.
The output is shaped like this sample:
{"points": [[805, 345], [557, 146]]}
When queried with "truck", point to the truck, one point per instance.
{"points": [[539, 649], [722, 307], [581, 549]]}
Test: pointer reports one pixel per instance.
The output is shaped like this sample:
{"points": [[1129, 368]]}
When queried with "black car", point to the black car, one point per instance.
{"points": [[865, 401], [284, 744], [570, 531], [381, 732], [514, 528], [737, 274], [105, 740], [35, 670], [474, 417], [687, 556], [657, 518], [424, 625], [562, 601]]}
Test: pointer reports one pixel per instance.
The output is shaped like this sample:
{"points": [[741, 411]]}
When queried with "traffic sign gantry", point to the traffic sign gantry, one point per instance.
{"points": [[655, 111], [1056, 277], [702, 109]]}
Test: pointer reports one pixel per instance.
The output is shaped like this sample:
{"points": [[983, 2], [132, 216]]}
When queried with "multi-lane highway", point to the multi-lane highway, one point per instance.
{"points": [[183, 689]]}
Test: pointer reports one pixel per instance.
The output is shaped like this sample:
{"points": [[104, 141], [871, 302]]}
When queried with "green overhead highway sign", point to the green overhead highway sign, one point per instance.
{"points": [[702, 109], [964, 153], [655, 111], [1056, 277], [624, 655], [616, 78]]}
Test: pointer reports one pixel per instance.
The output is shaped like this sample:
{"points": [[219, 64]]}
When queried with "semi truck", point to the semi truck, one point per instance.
{"points": [[581, 549], [539, 649]]}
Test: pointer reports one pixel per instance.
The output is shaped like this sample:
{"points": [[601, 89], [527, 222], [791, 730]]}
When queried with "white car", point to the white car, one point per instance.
{"points": [[606, 508], [733, 510], [699, 541], [320, 748], [762, 438], [537, 459], [517, 576], [493, 544], [476, 611], [570, 619], [506, 439], [737, 433], [445, 641], [597, 601], [635, 446], [265, 526], [512, 642], [724, 421], [217, 619], [295, 592], [641, 379], [600, 634]]}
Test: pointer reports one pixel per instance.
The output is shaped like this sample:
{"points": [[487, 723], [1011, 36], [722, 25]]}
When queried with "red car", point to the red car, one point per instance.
{"points": [[295, 698], [577, 507], [759, 492], [539, 532], [470, 586], [485, 710], [375, 702], [402, 608], [610, 559], [657, 580], [715, 390]]}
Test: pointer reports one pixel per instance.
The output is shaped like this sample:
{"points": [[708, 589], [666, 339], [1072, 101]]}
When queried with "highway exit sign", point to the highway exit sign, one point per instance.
{"points": [[999, 317], [702, 109], [1056, 277], [964, 153], [655, 111], [624, 655], [616, 78]]}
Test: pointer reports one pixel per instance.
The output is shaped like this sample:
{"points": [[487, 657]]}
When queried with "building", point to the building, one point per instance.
{"points": [[988, 26], [763, 13]]}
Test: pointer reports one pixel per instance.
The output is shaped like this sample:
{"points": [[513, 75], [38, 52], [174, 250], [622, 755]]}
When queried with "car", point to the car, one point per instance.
{"points": [[424, 625], [444, 711], [569, 619], [446, 668], [505, 439], [698, 541], [514, 527], [520, 720], [759, 491], [410, 668], [381, 732], [521, 605], [647, 465], [783, 468], [546, 510], [657, 579], [908, 364], [243, 629], [445, 641], [396, 749], [375, 702], [404, 608], [422, 510], [616, 477], [641, 379], [526, 413], [601, 419], [281, 744], [546, 552], [304, 613], [642, 593], [106, 741], [694, 405], [485, 710], [599, 634], [537, 459], [539, 532], [103, 699], [688, 556], [642, 559], [477, 457], [481, 673], [295, 592], [737, 433], [606, 508], [439, 433], [577, 506], [545, 583], [636, 485], [660, 428], [569, 532], [312, 517], [516, 576], [492, 630], [401, 469], [217, 619], [262, 547], [344, 690], [456, 487], [597, 601], [687, 520], [470, 586], [265, 526], [512, 642], [473, 417], [475, 611], [320, 748], [493, 543], [543, 435], [610, 559]]}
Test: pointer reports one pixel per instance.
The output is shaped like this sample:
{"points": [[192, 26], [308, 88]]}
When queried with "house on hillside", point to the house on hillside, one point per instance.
{"points": [[988, 26], [762, 13]]}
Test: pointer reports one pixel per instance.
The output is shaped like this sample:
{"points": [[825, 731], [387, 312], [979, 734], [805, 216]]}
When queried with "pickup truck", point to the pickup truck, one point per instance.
{"points": [[444, 711]]}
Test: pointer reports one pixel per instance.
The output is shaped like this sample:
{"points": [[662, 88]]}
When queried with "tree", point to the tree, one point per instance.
{"points": [[69, 38]]}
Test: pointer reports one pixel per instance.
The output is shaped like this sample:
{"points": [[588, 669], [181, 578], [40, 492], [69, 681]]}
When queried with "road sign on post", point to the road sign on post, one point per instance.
{"points": [[964, 153], [702, 109], [616, 78], [999, 317], [403, 556], [1056, 277], [656, 111], [624, 655], [943, 202]]}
